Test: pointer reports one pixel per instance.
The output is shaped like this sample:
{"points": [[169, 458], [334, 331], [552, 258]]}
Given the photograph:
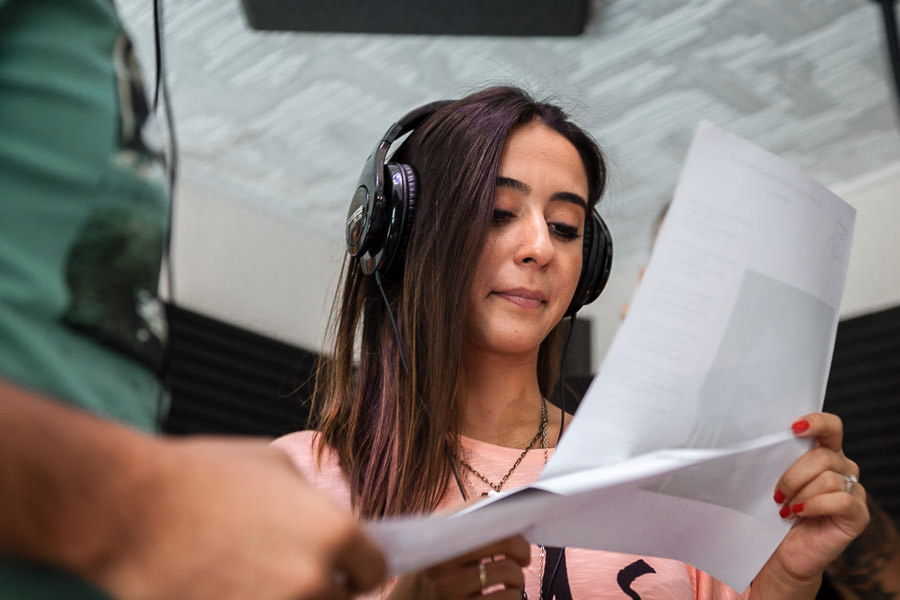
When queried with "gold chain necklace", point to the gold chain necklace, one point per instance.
{"points": [[545, 444], [541, 434]]}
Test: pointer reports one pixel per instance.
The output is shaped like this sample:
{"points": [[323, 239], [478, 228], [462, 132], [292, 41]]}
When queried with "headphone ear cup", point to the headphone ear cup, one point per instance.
{"points": [[401, 192], [380, 214], [596, 263]]}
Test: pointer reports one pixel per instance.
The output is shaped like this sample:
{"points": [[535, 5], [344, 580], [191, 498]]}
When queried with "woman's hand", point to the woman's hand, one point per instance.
{"points": [[820, 491], [494, 570]]}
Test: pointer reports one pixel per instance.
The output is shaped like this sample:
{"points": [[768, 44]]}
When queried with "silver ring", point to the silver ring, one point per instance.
{"points": [[482, 576], [850, 479]]}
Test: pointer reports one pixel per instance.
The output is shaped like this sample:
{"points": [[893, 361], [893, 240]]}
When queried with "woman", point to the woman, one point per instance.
{"points": [[458, 349]]}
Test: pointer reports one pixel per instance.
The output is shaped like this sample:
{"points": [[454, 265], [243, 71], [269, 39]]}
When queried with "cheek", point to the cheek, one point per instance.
{"points": [[488, 264], [573, 270]]}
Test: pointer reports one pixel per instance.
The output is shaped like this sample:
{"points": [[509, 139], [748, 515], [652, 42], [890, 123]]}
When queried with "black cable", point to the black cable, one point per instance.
{"points": [[456, 476], [157, 46], [889, 16], [390, 312], [560, 383], [160, 84], [562, 408], [161, 87]]}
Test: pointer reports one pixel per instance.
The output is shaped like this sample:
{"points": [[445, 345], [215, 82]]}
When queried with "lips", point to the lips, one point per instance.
{"points": [[523, 297]]}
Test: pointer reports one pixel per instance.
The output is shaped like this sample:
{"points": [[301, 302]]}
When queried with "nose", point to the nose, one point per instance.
{"points": [[535, 245]]}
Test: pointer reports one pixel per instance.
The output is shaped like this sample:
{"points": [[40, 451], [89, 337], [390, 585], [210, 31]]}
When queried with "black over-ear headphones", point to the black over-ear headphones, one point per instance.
{"points": [[382, 211], [596, 262]]}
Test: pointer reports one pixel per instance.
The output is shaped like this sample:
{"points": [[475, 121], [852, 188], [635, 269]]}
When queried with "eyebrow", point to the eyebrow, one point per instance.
{"points": [[521, 186]]}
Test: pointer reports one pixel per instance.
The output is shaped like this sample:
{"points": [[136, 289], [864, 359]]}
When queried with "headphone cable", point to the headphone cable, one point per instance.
{"points": [[562, 409], [393, 321], [390, 313], [560, 384]]}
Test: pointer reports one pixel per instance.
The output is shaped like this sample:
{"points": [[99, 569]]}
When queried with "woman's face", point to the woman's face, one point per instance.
{"points": [[531, 262]]}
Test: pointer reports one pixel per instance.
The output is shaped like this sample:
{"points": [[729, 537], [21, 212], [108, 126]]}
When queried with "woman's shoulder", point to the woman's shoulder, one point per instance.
{"points": [[300, 446], [323, 470]]}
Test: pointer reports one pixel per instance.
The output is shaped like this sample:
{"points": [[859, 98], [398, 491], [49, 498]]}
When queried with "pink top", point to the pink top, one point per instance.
{"points": [[581, 574]]}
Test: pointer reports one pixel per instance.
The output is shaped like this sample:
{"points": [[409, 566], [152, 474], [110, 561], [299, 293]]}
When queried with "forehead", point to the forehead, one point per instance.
{"points": [[536, 153]]}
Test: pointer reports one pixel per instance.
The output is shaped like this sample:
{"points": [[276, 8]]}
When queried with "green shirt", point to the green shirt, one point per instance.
{"points": [[83, 221]]}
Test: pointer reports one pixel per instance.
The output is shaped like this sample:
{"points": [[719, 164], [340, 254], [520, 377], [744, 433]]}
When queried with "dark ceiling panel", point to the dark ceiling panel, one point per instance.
{"points": [[449, 17]]}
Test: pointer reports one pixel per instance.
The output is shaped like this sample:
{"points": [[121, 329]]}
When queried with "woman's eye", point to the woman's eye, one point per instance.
{"points": [[501, 216], [564, 231]]}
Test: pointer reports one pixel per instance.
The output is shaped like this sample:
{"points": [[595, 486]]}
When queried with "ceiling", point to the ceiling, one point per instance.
{"points": [[283, 121]]}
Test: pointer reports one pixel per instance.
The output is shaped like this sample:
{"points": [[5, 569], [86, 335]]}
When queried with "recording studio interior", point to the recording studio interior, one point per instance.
{"points": [[277, 104]]}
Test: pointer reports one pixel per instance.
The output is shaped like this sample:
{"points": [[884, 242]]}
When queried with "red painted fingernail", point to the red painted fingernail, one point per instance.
{"points": [[800, 426], [779, 496], [785, 512], [797, 508]]}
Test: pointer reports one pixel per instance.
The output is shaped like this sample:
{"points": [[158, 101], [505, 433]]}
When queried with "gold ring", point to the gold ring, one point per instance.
{"points": [[482, 575]]}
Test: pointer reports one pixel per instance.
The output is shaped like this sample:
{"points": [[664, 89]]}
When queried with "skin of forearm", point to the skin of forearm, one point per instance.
{"points": [[774, 584], [71, 482]]}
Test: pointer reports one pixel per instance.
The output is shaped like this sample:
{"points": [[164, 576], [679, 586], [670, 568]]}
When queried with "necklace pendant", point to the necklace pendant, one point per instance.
{"points": [[491, 493]]}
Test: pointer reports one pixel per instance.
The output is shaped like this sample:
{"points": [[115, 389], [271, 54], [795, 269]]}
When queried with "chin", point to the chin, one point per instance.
{"points": [[511, 336], [519, 345]]}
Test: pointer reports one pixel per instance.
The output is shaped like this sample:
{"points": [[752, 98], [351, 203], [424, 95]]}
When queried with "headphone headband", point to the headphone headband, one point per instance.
{"points": [[363, 215]]}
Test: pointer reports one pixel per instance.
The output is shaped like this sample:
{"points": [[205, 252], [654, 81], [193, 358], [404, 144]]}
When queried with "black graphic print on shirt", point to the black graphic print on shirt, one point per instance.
{"points": [[112, 266], [627, 576], [555, 581]]}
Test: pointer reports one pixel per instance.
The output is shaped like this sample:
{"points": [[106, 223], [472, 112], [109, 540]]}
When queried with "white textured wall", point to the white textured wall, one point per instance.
{"points": [[252, 269], [873, 280]]}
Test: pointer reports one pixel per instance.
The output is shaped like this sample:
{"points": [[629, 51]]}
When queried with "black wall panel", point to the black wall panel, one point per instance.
{"points": [[864, 390], [225, 379]]}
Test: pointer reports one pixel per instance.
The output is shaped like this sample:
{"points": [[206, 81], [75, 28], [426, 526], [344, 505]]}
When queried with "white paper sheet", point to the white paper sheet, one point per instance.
{"points": [[678, 444]]}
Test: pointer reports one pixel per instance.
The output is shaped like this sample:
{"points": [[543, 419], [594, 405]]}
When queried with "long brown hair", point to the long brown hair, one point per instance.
{"points": [[392, 426]]}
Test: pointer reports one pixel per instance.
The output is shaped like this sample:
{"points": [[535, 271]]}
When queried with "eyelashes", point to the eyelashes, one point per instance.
{"points": [[565, 232], [501, 217], [562, 231]]}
